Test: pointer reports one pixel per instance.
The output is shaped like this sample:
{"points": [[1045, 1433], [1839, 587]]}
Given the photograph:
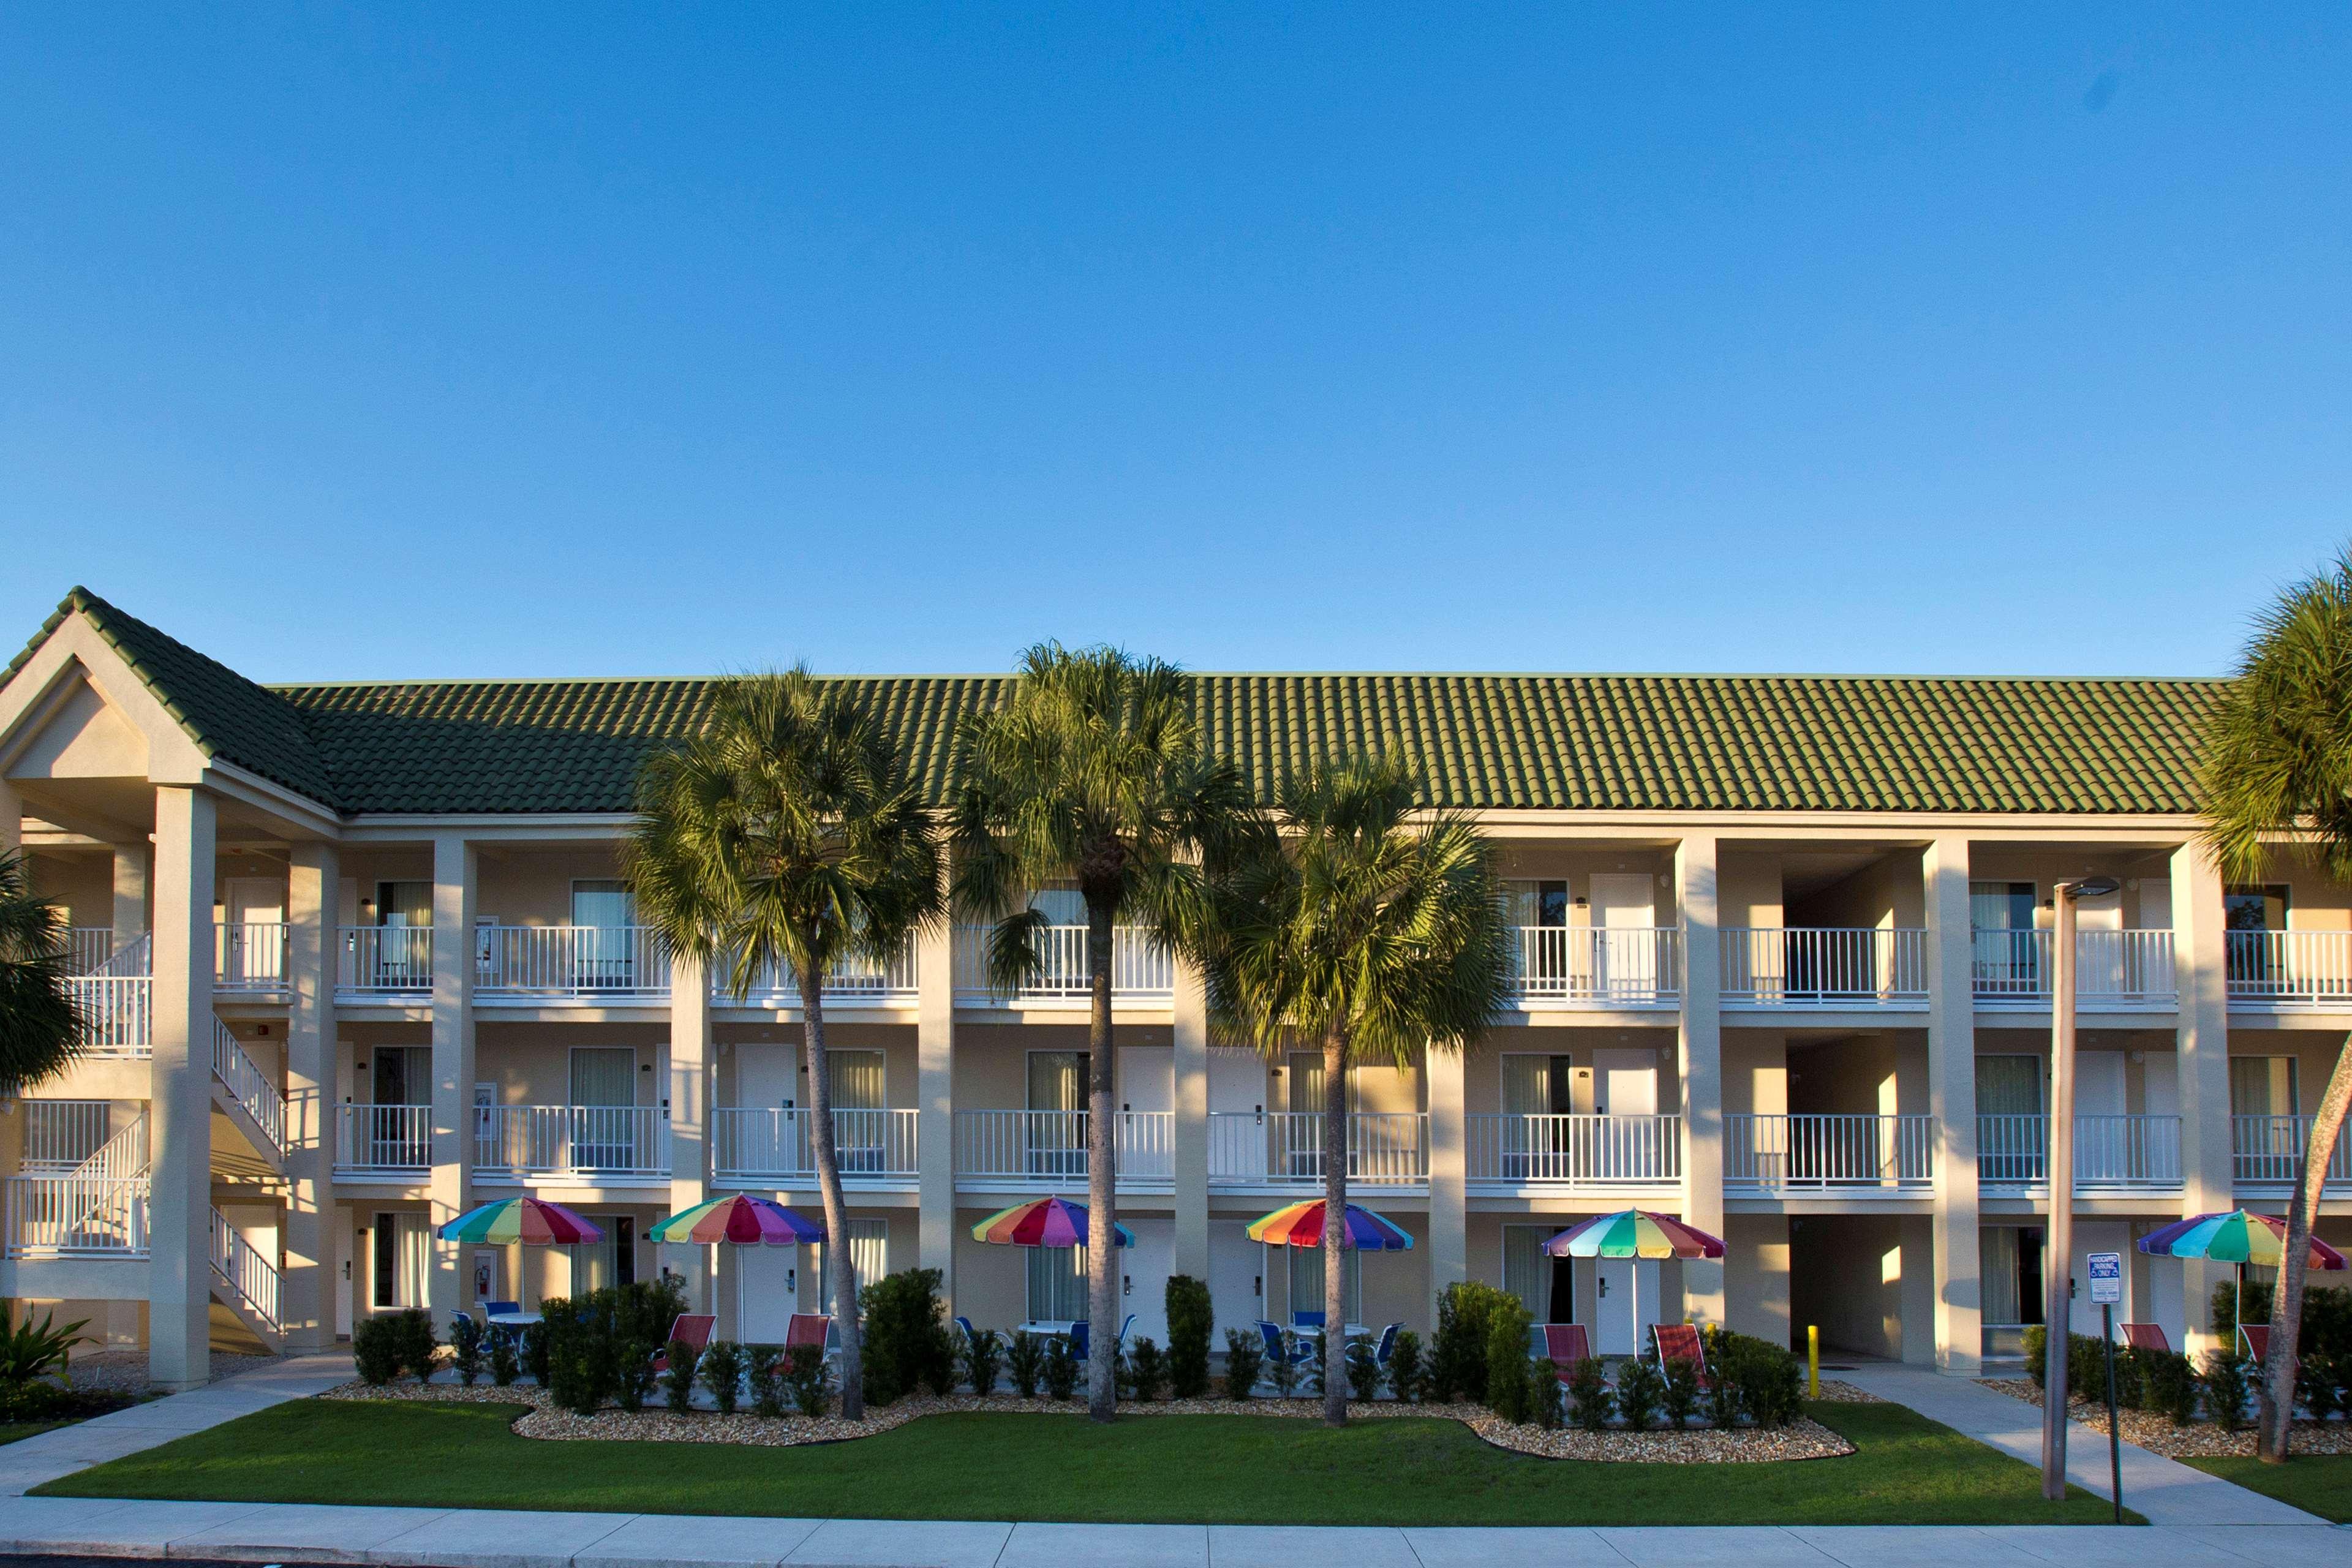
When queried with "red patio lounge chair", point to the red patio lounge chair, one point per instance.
{"points": [[1566, 1344], [695, 1329], [1681, 1341], [808, 1329], [2146, 1337]]}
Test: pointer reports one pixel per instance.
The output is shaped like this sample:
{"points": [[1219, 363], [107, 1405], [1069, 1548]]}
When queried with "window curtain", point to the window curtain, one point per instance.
{"points": [[1997, 1274], [1526, 1268], [2008, 1085], [870, 1248], [2262, 1086], [404, 903], [1527, 1085], [857, 1078], [413, 1260], [595, 1265], [605, 1075], [1057, 1283], [1307, 1281]]}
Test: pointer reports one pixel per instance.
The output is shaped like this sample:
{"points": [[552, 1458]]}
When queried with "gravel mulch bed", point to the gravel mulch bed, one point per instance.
{"points": [[2204, 1441], [1836, 1393], [126, 1371], [1803, 1439]]}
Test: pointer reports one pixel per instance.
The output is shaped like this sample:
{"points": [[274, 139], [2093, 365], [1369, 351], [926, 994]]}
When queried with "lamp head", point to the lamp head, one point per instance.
{"points": [[2088, 887]]}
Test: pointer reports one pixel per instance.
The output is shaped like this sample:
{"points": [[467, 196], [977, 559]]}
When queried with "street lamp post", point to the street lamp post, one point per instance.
{"points": [[2058, 1249]]}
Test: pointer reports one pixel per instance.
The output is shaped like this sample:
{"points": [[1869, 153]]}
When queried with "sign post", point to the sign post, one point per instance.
{"points": [[2107, 1269]]}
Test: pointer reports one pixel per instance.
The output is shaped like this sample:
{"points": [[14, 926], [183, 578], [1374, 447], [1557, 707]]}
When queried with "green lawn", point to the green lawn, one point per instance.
{"points": [[1239, 1469], [2315, 1483]]}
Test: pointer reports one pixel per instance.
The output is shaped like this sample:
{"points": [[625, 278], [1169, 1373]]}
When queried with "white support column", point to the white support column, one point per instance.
{"points": [[1191, 1105], [179, 1212], [1449, 1223], [1952, 1099], [12, 819], [129, 892], [450, 1192], [692, 1094], [1699, 1041], [935, 1103], [313, 877], [2208, 1161]]}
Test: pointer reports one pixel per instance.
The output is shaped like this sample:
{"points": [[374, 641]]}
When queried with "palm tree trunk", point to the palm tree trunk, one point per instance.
{"points": [[1102, 1176], [1334, 1227], [828, 1187], [2287, 1300]]}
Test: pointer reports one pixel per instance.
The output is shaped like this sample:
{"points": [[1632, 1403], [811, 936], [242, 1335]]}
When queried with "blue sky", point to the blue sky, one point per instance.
{"points": [[409, 342]]}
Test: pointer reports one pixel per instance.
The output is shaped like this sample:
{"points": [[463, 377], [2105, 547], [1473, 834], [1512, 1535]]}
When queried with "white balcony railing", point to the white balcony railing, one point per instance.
{"points": [[249, 955], [1610, 966], [1285, 1148], [606, 962], [249, 1087], [1141, 969], [2290, 968], [118, 1014], [750, 1144], [1048, 1148], [88, 949], [610, 1141], [384, 1140], [2268, 1151], [1574, 1151], [384, 961], [2113, 968], [77, 1216], [1827, 966], [59, 1134], [249, 1277], [1821, 1152], [2111, 1152], [858, 979]]}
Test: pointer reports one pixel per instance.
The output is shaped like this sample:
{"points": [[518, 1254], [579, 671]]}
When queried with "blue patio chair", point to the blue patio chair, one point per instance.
{"points": [[496, 1331], [1299, 1320], [1078, 1338], [1387, 1347], [970, 1335], [1274, 1348], [1120, 1348]]}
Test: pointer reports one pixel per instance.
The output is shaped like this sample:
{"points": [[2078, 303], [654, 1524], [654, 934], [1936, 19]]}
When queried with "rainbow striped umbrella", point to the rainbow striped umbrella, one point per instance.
{"points": [[1042, 1222], [531, 1221], [2239, 1237], [1633, 1233], [1301, 1224], [740, 1218]]}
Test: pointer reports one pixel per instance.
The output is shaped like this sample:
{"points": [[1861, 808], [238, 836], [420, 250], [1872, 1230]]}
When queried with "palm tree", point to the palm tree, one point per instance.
{"points": [[40, 1029], [1350, 926], [1091, 773], [787, 832], [2278, 763]]}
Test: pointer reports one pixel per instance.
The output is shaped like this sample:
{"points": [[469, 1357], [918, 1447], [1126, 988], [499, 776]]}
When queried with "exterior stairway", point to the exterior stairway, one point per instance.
{"points": [[246, 1283], [242, 1094]]}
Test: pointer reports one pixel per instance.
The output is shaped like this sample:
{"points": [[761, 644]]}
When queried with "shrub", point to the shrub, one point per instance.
{"points": [[1061, 1371], [1147, 1370], [1024, 1364], [2229, 1379], [647, 1309], [1283, 1371], [2317, 1383], [1363, 1372], [412, 1331], [375, 1350], [1191, 1318], [722, 1372], [534, 1348], [983, 1358], [1771, 1381], [1544, 1395], [34, 1400], [1640, 1391], [466, 1348], [906, 1339], [1458, 1357], [1406, 1373], [809, 1378], [1726, 1399], [1506, 1358], [1681, 1394], [31, 1349], [766, 1378], [2172, 1386], [584, 1358], [2087, 1364], [506, 1365], [633, 1378], [1245, 1359], [677, 1378], [1588, 1385]]}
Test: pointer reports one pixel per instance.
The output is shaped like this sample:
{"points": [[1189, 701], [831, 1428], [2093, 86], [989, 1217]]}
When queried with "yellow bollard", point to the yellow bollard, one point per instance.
{"points": [[1813, 1360]]}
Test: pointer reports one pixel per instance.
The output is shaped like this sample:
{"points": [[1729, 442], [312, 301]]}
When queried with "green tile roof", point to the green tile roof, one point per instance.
{"points": [[1892, 744]]}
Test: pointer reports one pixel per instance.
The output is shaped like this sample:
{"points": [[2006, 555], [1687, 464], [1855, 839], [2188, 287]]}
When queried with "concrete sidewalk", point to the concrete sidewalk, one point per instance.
{"points": [[27, 1464], [2163, 1490], [482, 1538]]}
